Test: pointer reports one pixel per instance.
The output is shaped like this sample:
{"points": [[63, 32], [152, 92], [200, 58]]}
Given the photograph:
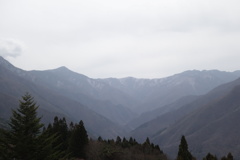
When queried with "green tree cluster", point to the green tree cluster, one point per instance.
{"points": [[70, 141], [228, 157], [209, 156], [123, 148], [27, 139], [184, 154], [23, 138]]}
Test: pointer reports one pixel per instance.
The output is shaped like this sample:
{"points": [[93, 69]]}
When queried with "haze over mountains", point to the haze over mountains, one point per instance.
{"points": [[202, 105], [212, 126]]}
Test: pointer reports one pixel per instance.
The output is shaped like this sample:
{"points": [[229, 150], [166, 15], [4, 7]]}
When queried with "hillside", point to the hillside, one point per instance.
{"points": [[98, 96], [154, 93], [180, 109], [106, 105], [51, 103], [158, 96], [211, 127], [144, 118]]}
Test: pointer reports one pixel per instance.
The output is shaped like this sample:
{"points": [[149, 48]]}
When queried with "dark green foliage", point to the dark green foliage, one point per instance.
{"points": [[100, 139], [147, 141], [47, 148], [22, 138], [78, 141], [118, 140], [229, 157], [183, 153], [209, 156], [25, 140], [60, 128], [3, 144], [147, 147], [123, 150], [131, 141], [125, 143], [224, 158]]}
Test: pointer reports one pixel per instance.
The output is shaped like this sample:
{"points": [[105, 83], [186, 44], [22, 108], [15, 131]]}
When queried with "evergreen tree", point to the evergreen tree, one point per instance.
{"points": [[78, 141], [224, 158], [147, 148], [147, 142], [209, 156], [3, 144], [183, 153], [60, 128], [118, 140], [100, 139], [131, 141], [54, 140], [24, 130], [47, 148], [230, 156], [125, 143]]}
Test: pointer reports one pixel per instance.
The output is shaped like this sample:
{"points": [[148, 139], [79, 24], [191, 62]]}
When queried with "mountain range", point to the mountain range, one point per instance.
{"points": [[202, 105], [210, 123]]}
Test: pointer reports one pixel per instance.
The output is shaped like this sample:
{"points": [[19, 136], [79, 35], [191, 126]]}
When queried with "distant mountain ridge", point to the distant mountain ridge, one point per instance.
{"points": [[209, 122], [13, 85], [155, 93], [110, 106], [212, 126]]}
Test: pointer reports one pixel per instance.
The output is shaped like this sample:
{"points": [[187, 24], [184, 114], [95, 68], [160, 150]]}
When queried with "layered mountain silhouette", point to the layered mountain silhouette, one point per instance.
{"points": [[15, 82], [202, 105], [210, 123]]}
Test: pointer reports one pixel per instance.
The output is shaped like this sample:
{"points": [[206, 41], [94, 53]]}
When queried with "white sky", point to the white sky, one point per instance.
{"points": [[120, 38]]}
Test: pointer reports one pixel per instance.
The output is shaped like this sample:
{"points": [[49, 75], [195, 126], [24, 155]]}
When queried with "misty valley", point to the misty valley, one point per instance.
{"points": [[61, 114]]}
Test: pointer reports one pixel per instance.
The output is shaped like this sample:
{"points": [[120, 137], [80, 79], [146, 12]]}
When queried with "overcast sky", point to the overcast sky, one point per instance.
{"points": [[109, 38]]}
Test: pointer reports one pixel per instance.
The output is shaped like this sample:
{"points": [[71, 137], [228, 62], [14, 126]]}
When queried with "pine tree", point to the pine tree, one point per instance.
{"points": [[54, 140], [230, 156], [46, 148], [24, 130], [3, 144], [147, 141], [147, 148], [125, 143], [183, 153], [78, 141], [209, 156], [100, 139], [118, 140], [131, 141], [60, 128]]}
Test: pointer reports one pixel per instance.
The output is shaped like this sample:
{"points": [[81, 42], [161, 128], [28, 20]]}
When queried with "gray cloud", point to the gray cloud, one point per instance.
{"points": [[10, 48], [123, 38]]}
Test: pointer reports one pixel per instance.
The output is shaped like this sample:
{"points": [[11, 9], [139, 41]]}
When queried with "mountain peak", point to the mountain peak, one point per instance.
{"points": [[7, 65], [63, 68], [4, 62]]}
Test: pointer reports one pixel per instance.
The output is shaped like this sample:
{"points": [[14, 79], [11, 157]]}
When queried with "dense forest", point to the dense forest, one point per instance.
{"points": [[27, 138]]}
